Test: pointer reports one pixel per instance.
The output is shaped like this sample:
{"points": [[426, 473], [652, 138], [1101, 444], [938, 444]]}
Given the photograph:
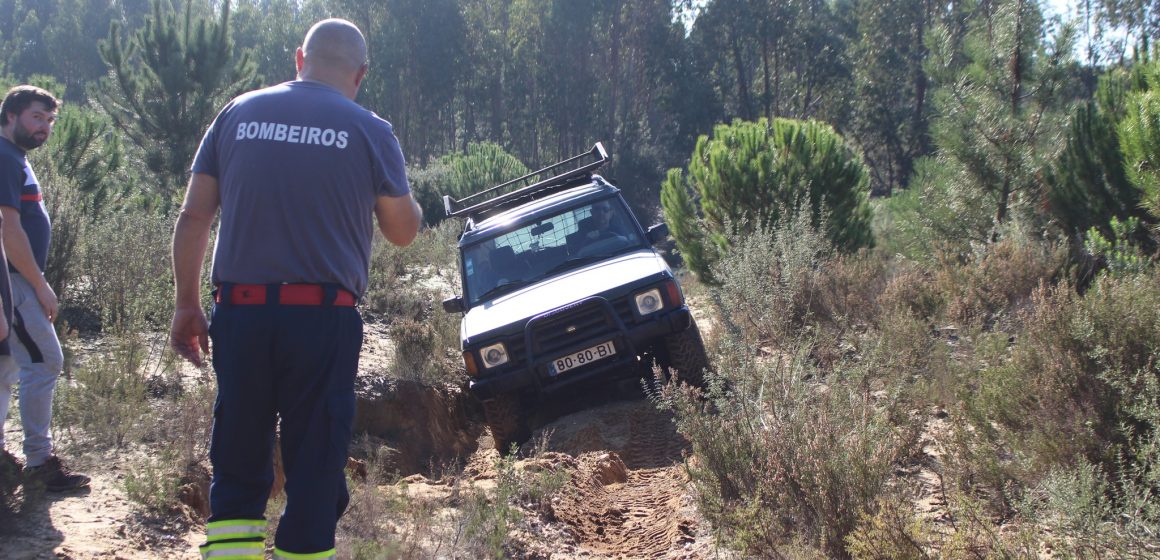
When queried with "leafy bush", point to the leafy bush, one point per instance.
{"points": [[747, 175]]}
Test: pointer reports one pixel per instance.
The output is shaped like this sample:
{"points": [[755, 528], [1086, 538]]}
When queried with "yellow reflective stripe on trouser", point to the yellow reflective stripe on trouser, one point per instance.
{"points": [[234, 529], [245, 550], [283, 555]]}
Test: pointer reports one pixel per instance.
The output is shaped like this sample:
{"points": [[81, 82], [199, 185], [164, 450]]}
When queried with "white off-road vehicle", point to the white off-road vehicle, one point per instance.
{"points": [[562, 286]]}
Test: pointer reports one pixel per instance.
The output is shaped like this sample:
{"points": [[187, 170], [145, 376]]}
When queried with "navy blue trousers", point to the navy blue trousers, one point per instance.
{"points": [[296, 364]]}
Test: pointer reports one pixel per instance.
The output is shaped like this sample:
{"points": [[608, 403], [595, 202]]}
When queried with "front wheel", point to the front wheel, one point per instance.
{"points": [[686, 354], [505, 418]]}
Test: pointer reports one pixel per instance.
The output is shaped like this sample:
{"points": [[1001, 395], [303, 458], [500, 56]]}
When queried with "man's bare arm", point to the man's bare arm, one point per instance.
{"points": [[189, 332], [399, 218]]}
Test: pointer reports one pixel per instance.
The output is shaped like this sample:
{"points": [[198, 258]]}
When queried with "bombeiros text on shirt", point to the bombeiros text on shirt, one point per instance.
{"points": [[294, 134]]}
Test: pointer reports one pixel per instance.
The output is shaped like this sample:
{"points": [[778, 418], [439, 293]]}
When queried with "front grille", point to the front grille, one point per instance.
{"points": [[553, 333]]}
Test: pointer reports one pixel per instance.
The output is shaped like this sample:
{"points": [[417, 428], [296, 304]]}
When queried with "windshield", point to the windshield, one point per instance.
{"points": [[554, 244]]}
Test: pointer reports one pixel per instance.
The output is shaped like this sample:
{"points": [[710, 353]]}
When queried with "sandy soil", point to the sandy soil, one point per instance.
{"points": [[626, 497]]}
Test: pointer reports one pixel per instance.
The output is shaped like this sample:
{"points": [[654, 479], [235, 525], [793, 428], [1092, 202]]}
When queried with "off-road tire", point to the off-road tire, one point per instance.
{"points": [[505, 417], [685, 353]]}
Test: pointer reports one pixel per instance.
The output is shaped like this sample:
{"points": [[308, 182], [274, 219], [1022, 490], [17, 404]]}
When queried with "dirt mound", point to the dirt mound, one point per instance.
{"points": [[628, 496]]}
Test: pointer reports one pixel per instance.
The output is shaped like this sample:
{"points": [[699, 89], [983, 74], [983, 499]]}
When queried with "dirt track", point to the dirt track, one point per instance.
{"points": [[626, 497]]}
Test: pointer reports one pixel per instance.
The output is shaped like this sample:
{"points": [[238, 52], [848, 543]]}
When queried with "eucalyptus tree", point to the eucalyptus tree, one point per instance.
{"points": [[271, 30], [891, 111], [776, 58], [416, 65]]}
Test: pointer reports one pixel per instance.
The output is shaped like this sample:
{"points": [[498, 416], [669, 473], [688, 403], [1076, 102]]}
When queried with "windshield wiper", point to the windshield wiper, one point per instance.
{"points": [[504, 288]]}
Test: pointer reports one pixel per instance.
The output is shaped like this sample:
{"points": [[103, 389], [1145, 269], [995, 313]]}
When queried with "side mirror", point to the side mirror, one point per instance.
{"points": [[658, 233], [453, 304]]}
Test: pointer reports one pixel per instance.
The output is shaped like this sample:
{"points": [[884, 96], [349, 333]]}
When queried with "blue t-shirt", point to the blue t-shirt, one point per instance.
{"points": [[19, 189], [299, 168]]}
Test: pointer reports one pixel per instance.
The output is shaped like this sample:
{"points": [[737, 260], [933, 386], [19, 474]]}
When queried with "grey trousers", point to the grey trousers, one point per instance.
{"points": [[35, 364]]}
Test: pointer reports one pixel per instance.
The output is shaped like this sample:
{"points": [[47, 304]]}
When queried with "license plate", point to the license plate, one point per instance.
{"points": [[577, 359]]}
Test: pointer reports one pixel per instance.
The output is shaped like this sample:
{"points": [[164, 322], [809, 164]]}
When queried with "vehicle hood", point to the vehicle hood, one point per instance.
{"points": [[559, 290]]}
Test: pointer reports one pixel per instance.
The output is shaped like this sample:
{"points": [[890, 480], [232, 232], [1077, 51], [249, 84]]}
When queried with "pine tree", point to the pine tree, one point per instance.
{"points": [[747, 174], [1000, 113], [168, 81]]}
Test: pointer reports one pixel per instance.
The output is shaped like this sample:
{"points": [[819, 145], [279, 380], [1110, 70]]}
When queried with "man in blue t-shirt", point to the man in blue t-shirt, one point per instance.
{"points": [[27, 116], [300, 174]]}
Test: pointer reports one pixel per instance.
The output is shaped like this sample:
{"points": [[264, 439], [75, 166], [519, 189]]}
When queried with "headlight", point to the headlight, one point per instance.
{"points": [[649, 302], [494, 355]]}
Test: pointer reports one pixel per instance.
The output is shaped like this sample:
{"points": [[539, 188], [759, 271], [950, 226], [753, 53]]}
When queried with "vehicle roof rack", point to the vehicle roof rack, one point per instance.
{"points": [[466, 207]]}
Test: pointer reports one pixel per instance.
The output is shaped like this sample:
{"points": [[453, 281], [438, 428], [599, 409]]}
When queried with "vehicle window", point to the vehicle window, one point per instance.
{"points": [[526, 254]]}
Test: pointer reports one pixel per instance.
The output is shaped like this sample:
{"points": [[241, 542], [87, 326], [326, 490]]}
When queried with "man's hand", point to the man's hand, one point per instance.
{"points": [[48, 301], [3, 327], [189, 334]]}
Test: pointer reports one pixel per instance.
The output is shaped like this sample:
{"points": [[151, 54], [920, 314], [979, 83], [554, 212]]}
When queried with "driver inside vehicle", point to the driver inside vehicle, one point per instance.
{"points": [[594, 228], [482, 273]]}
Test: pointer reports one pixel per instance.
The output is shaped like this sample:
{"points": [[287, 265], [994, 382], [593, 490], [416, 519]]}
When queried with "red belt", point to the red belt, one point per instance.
{"points": [[288, 294]]}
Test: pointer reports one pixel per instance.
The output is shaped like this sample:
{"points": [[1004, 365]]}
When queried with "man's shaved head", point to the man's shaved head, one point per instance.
{"points": [[335, 43]]}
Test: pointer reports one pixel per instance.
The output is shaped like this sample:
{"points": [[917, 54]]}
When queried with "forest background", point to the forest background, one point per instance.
{"points": [[983, 244]]}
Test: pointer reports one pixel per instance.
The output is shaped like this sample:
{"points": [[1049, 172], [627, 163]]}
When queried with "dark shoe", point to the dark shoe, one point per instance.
{"points": [[55, 476]]}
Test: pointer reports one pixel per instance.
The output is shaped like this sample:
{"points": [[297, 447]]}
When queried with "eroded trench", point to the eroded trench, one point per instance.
{"points": [[627, 494]]}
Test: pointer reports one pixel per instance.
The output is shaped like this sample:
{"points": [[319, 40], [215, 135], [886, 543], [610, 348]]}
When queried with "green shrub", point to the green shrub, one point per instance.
{"points": [[1088, 185], [931, 217], [1120, 253], [766, 280], [791, 449], [153, 484], [1139, 134], [747, 175], [1079, 383], [892, 532], [125, 274], [106, 401], [364, 532], [490, 517], [182, 415], [407, 286], [783, 459], [995, 279], [409, 282]]}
